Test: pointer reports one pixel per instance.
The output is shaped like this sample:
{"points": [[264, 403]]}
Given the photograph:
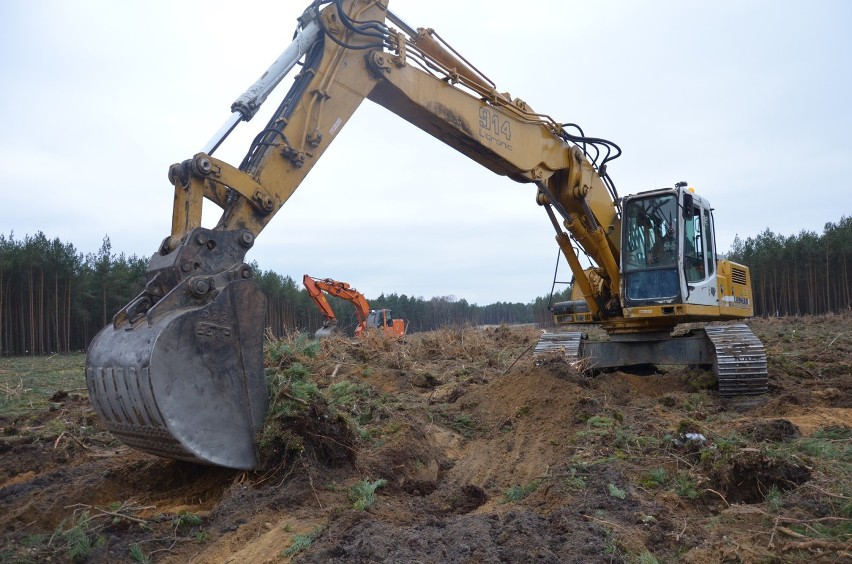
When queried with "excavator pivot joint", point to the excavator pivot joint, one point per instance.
{"points": [[202, 166], [246, 239]]}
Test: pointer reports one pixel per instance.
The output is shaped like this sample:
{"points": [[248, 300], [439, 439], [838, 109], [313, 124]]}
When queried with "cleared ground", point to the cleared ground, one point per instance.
{"points": [[453, 446]]}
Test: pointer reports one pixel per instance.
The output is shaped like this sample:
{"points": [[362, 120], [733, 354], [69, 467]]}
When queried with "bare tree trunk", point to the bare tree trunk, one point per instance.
{"points": [[827, 283], [31, 344], [2, 317], [42, 317], [796, 306], [22, 323], [68, 315], [56, 343], [811, 290]]}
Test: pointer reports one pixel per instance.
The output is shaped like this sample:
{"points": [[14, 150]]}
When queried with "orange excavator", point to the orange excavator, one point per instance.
{"points": [[367, 318]]}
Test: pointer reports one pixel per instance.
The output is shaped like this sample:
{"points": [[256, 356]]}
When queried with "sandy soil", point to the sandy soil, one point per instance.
{"points": [[476, 453]]}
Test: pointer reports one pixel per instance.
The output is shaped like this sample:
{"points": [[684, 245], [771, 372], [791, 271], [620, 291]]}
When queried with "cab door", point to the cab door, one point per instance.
{"points": [[698, 255]]}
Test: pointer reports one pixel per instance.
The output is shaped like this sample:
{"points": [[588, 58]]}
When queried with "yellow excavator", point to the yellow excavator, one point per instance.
{"points": [[179, 372]]}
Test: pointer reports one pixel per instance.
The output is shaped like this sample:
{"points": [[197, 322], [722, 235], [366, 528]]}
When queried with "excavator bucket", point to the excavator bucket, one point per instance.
{"points": [[186, 382], [325, 331]]}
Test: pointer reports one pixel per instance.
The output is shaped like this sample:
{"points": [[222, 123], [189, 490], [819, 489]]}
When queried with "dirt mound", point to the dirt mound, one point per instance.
{"points": [[456, 446]]}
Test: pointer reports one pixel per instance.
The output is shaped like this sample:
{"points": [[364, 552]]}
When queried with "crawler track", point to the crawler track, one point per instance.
{"points": [[740, 363], [567, 343], [736, 354]]}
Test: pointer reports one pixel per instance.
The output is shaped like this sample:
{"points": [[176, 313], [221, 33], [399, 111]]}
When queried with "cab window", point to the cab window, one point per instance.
{"points": [[693, 247], [651, 232], [708, 242], [650, 248]]}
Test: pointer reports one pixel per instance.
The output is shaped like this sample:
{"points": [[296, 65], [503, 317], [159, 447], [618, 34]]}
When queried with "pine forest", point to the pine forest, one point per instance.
{"points": [[54, 299]]}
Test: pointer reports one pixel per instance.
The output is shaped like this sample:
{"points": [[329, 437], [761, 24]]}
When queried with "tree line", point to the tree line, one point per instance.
{"points": [[801, 274], [54, 299]]}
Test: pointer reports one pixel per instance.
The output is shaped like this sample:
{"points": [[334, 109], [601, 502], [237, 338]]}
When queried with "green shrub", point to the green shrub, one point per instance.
{"points": [[301, 542], [363, 494], [686, 486], [138, 555], [773, 498], [654, 479], [186, 519], [517, 493], [615, 492]]}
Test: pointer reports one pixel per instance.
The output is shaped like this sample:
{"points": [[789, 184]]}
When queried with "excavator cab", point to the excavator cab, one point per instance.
{"points": [[668, 250], [383, 319], [379, 318]]}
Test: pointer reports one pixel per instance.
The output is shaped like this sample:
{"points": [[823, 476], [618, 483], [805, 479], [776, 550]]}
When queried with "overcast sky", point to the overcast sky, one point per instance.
{"points": [[747, 100]]}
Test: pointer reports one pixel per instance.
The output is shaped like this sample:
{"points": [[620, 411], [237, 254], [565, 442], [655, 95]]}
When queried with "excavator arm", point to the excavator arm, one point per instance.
{"points": [[179, 371], [342, 290], [354, 55]]}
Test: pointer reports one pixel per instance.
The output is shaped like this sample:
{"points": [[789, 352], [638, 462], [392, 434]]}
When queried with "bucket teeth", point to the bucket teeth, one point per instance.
{"points": [[122, 396]]}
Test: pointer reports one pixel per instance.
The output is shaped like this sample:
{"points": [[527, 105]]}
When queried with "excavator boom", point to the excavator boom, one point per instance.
{"points": [[179, 372]]}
